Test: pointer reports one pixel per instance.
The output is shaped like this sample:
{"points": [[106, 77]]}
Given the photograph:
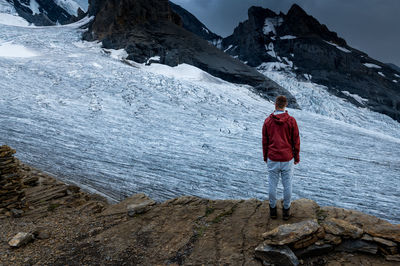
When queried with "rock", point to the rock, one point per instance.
{"points": [[387, 231], [136, 203], [314, 250], [17, 213], [332, 239], [386, 246], [367, 237], [342, 228], [350, 245], [393, 257], [291, 233], [276, 255], [140, 208], [20, 239]]}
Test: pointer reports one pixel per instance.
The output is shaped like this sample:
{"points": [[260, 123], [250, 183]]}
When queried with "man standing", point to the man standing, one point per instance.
{"points": [[281, 148]]}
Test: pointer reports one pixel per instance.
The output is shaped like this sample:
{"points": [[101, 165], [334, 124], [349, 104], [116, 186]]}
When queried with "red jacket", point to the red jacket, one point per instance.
{"points": [[280, 138]]}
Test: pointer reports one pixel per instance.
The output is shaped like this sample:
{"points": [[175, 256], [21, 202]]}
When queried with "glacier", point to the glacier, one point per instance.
{"points": [[114, 127]]}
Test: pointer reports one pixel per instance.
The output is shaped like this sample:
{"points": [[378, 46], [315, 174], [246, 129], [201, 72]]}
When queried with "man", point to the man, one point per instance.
{"points": [[281, 148]]}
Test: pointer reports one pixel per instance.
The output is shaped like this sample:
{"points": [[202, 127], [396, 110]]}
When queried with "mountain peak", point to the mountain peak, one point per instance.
{"points": [[296, 10]]}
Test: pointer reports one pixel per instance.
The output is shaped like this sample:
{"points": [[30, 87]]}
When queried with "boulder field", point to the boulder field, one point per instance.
{"points": [[59, 224]]}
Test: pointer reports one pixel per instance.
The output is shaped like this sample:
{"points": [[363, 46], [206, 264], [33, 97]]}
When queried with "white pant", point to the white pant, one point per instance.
{"points": [[285, 171]]}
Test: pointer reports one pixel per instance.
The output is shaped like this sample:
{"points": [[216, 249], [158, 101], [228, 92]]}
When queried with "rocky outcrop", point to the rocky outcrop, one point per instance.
{"points": [[46, 12], [11, 193], [150, 28], [310, 238], [299, 43], [61, 225]]}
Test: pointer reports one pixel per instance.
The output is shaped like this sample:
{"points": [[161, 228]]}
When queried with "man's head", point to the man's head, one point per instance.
{"points": [[281, 102]]}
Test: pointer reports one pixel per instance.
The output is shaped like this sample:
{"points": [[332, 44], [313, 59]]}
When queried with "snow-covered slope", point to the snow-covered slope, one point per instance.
{"points": [[120, 128]]}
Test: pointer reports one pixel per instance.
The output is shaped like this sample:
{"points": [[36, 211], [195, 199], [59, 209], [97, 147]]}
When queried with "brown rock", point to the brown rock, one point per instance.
{"points": [[386, 246], [393, 257], [20, 239], [291, 233], [332, 239], [342, 228]]}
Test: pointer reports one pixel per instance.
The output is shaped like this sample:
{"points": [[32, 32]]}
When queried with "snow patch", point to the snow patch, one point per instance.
{"points": [[356, 97], [34, 6], [270, 24], [395, 81], [68, 5], [270, 49], [12, 20], [229, 47], [117, 54], [288, 37], [397, 76], [383, 75], [154, 58], [370, 65], [204, 29], [183, 72], [11, 50], [339, 47]]}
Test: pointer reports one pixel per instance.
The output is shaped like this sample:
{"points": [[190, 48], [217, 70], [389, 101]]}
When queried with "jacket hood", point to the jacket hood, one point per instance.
{"points": [[280, 118]]}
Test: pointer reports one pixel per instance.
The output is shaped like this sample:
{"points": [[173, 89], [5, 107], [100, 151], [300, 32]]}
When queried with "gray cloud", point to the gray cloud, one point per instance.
{"points": [[372, 26]]}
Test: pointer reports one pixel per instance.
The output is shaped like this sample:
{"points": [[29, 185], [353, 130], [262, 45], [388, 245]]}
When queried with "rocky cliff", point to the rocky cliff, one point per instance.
{"points": [[146, 29], [299, 43], [48, 12], [59, 224]]}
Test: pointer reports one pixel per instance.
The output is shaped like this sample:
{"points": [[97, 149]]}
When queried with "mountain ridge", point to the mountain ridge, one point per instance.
{"points": [[300, 44]]}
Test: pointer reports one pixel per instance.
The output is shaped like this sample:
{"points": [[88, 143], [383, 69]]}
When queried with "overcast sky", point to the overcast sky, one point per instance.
{"points": [[372, 26]]}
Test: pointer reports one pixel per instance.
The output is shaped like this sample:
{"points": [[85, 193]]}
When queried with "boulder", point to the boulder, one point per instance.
{"points": [[20, 239], [291, 233], [138, 203], [276, 255], [342, 228], [386, 246]]}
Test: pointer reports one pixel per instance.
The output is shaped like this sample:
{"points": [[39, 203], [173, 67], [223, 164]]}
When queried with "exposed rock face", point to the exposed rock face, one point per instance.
{"points": [[48, 13], [192, 24], [150, 28], [304, 46]]}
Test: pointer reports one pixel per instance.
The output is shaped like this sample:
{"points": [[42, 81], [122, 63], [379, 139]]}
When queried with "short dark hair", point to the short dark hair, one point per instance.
{"points": [[281, 102]]}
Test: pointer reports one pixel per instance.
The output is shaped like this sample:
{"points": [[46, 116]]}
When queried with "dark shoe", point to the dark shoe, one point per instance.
{"points": [[285, 213], [273, 213]]}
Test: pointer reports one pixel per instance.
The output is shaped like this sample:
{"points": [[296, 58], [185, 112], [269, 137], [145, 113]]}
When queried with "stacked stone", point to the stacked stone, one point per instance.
{"points": [[309, 238], [11, 194]]}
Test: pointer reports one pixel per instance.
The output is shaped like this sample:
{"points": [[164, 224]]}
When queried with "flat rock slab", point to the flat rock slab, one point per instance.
{"points": [[20, 239], [290, 233], [342, 228], [276, 255], [358, 245], [137, 202]]}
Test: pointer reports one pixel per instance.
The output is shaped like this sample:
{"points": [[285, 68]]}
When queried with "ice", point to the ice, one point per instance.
{"points": [[383, 75], [154, 58], [166, 132], [339, 47], [370, 65], [397, 76], [395, 81]]}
